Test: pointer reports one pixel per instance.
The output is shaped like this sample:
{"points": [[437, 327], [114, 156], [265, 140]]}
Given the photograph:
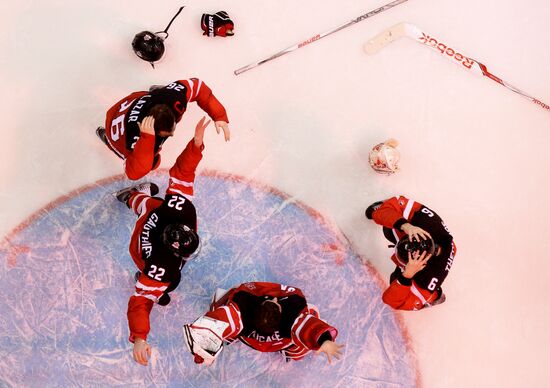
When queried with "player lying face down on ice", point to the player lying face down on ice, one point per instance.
{"points": [[268, 317], [164, 237], [129, 131], [424, 252]]}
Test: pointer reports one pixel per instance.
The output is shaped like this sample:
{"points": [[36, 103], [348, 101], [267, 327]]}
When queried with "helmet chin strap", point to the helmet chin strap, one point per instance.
{"points": [[169, 24]]}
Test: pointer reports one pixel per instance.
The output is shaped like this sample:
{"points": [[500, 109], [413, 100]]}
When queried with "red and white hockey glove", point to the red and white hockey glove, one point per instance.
{"points": [[218, 24]]}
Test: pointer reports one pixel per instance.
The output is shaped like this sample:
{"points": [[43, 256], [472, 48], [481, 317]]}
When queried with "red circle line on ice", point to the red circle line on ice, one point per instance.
{"points": [[337, 251]]}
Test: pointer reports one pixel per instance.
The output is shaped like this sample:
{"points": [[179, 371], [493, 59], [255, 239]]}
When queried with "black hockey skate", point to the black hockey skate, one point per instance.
{"points": [[440, 299], [372, 208], [147, 188], [100, 132]]}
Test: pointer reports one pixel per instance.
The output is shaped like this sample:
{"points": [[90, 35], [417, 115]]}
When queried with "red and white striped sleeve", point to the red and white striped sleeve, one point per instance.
{"points": [[395, 211], [182, 174], [199, 92], [308, 328], [230, 314], [147, 292]]}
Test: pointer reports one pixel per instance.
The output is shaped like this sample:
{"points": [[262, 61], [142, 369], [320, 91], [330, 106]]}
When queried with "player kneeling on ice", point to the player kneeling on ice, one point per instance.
{"points": [[268, 317], [137, 126], [424, 252], [164, 237]]}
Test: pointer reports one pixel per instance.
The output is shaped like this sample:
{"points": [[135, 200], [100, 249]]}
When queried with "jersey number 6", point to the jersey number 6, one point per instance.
{"points": [[433, 284]]}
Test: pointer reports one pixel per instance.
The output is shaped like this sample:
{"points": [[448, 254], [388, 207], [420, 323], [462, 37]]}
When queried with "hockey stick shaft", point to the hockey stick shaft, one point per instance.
{"points": [[319, 36], [415, 33]]}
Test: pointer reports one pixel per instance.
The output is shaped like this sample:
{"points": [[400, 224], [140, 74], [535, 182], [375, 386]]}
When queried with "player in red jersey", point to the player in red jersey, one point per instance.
{"points": [[164, 237], [424, 252], [268, 317], [140, 149]]}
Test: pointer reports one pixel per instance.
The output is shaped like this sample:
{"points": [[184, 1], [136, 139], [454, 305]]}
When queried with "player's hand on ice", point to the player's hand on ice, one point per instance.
{"points": [[414, 232], [142, 351], [147, 125], [199, 131], [416, 263], [331, 349], [222, 125]]}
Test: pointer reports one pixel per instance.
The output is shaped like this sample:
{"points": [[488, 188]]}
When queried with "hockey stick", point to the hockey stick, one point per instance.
{"points": [[319, 36], [411, 31]]}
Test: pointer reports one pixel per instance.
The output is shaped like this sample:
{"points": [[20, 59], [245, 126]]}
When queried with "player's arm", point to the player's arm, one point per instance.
{"points": [[147, 292], [311, 332], [199, 92], [396, 213], [140, 161], [230, 314], [390, 213], [182, 174]]}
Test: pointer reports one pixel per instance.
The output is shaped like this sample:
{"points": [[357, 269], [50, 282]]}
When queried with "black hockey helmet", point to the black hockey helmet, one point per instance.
{"points": [[180, 239], [405, 245], [148, 46]]}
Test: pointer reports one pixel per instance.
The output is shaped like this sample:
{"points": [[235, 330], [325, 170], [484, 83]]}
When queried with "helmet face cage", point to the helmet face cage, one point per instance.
{"points": [[181, 240], [405, 245]]}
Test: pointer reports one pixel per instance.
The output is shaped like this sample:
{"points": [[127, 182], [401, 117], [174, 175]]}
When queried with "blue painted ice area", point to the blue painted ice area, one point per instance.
{"points": [[64, 295]]}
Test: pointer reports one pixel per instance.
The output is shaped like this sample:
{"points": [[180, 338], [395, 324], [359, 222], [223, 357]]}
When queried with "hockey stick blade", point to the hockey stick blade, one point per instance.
{"points": [[385, 38], [319, 36], [413, 32]]}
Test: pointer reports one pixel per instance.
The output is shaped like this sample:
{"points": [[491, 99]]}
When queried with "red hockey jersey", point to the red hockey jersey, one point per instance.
{"points": [[141, 152], [300, 330], [425, 287], [160, 270]]}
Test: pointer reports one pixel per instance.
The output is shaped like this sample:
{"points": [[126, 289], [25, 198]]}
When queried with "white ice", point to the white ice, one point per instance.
{"points": [[472, 150]]}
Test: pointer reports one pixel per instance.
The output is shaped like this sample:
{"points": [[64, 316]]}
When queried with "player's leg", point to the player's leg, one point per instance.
{"points": [[100, 132], [388, 233], [372, 208], [136, 197]]}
